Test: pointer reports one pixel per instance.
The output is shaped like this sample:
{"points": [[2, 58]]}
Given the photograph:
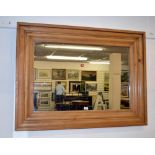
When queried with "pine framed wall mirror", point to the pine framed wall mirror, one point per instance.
{"points": [[103, 73]]}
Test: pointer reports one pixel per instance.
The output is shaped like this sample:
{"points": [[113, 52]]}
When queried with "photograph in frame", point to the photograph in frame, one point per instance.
{"points": [[42, 86], [74, 86], [125, 91], [72, 74], [91, 87], [88, 75], [45, 94], [43, 74], [44, 102], [58, 74]]}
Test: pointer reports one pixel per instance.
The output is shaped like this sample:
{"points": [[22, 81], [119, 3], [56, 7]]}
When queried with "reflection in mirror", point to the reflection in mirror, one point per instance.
{"points": [[77, 77]]}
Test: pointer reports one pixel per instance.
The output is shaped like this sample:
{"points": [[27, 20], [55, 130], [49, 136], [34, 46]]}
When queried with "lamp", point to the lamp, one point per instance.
{"points": [[74, 47], [100, 62], [66, 58]]}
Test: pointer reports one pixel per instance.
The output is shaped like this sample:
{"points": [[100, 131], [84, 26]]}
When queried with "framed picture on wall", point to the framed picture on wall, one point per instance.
{"points": [[106, 86], [88, 75], [91, 87], [43, 74], [45, 94], [106, 77], [42, 85], [124, 76], [58, 74], [44, 102], [74, 86], [72, 74], [124, 91]]}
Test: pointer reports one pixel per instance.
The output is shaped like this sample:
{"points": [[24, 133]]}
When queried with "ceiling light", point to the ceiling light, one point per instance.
{"points": [[75, 47], [100, 62], [66, 58]]}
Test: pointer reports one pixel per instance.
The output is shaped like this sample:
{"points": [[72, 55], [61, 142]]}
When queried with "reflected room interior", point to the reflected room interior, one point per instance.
{"points": [[93, 77]]}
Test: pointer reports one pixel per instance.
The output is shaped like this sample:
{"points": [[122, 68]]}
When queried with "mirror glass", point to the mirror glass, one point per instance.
{"points": [[80, 77]]}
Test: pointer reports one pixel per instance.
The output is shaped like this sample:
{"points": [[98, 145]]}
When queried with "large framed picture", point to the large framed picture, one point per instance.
{"points": [[58, 74], [42, 85], [88, 75], [91, 87], [74, 86], [72, 74], [43, 74]]}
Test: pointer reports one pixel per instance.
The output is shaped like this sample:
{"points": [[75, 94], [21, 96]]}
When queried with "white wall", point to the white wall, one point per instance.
{"points": [[7, 78]]}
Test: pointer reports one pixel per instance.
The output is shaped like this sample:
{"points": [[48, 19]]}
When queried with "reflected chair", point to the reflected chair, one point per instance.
{"points": [[100, 102]]}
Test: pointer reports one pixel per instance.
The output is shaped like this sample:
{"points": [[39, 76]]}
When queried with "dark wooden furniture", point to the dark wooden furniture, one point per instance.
{"points": [[79, 102]]}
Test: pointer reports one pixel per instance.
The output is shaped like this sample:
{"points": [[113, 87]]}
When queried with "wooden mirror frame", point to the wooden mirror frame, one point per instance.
{"points": [[29, 34]]}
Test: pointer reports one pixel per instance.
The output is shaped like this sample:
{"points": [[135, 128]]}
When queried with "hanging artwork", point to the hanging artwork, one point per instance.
{"points": [[72, 74], [58, 74], [88, 75]]}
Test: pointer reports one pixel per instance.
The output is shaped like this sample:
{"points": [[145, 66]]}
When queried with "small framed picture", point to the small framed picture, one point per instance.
{"points": [[45, 94], [88, 75], [91, 87], [124, 76], [73, 74], [106, 86], [42, 85], [44, 102], [74, 86], [125, 91], [58, 74], [43, 74], [106, 77]]}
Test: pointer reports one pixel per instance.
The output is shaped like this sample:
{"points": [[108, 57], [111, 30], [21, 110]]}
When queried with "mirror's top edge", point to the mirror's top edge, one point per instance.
{"points": [[80, 28]]}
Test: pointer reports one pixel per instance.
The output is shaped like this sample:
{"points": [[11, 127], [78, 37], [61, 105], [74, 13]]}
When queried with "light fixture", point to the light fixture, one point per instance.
{"points": [[66, 58], [100, 62], [75, 47]]}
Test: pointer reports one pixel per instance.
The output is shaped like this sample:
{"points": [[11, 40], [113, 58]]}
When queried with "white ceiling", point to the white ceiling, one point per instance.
{"points": [[41, 51]]}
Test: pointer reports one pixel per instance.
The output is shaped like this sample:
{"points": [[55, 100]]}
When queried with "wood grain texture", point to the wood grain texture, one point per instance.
{"points": [[29, 34]]}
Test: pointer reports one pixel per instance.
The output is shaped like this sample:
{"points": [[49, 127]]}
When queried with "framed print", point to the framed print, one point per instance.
{"points": [[45, 94], [58, 74], [72, 74], [106, 86], [124, 76], [88, 75], [42, 86], [125, 91], [63, 83], [91, 87], [74, 86], [43, 74], [44, 102], [106, 77]]}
